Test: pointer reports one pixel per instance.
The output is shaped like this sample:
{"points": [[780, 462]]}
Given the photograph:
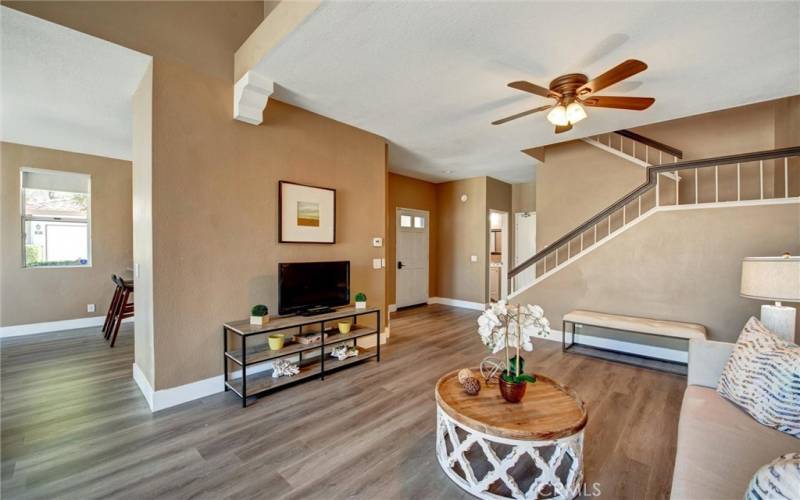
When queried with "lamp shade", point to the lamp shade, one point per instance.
{"points": [[771, 278]]}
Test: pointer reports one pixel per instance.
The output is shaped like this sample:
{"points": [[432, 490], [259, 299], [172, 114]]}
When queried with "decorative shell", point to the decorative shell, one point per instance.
{"points": [[464, 374], [472, 386]]}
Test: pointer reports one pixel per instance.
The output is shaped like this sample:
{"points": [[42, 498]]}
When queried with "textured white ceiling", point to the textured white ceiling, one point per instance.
{"points": [[431, 76], [66, 90]]}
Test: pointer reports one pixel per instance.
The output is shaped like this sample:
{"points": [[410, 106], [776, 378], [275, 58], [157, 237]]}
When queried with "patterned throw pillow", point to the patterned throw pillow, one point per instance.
{"points": [[778, 480], [763, 377]]}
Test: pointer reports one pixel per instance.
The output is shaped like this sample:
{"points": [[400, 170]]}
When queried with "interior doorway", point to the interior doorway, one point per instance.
{"points": [[524, 246], [412, 257], [498, 255]]}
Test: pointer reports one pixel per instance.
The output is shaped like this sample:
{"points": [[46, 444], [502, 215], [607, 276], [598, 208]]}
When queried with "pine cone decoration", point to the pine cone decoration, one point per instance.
{"points": [[472, 386], [464, 374]]}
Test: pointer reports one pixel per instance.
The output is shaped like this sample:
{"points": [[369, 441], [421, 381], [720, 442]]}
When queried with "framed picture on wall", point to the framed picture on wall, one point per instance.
{"points": [[306, 214]]}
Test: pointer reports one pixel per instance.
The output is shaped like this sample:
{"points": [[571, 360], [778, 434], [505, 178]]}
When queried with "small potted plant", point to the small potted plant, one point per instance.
{"points": [[361, 300], [503, 327], [259, 315]]}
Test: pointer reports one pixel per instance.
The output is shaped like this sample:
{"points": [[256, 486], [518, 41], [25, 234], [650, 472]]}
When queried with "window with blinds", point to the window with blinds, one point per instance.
{"points": [[56, 209]]}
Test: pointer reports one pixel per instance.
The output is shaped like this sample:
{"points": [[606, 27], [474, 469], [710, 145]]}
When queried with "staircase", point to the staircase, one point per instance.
{"points": [[758, 178]]}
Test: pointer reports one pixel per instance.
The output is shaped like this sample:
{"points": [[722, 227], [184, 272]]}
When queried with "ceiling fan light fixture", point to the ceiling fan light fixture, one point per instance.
{"points": [[558, 116], [575, 112]]}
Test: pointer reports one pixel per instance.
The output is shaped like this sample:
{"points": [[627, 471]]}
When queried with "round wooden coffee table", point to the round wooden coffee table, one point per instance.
{"points": [[495, 449]]}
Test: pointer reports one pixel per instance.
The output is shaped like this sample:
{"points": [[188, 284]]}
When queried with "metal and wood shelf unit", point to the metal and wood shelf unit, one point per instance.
{"points": [[313, 364]]}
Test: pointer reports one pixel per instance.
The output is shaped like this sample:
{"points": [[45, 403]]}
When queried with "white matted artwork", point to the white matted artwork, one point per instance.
{"points": [[306, 214]]}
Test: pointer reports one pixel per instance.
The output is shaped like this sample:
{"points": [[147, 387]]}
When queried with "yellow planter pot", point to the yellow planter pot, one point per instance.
{"points": [[344, 327], [276, 342]]}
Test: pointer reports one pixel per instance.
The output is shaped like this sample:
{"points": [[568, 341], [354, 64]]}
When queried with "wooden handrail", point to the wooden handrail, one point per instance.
{"points": [[652, 177], [677, 153]]}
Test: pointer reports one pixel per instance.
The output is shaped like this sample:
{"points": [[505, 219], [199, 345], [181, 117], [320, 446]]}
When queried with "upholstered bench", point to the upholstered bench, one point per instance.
{"points": [[633, 324]]}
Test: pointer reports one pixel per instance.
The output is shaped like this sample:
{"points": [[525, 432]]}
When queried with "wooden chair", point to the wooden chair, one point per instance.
{"points": [[124, 308], [112, 307]]}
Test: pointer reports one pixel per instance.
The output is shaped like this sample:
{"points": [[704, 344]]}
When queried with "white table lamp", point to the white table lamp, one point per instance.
{"points": [[776, 279]]}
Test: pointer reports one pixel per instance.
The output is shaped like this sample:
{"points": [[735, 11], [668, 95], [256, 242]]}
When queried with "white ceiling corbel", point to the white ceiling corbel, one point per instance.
{"points": [[250, 95]]}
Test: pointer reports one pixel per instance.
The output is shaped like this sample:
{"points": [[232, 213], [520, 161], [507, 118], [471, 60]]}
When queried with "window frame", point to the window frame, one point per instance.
{"points": [[24, 217]]}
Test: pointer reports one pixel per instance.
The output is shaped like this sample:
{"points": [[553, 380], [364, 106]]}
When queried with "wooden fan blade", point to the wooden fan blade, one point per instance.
{"points": [[634, 103], [533, 89], [520, 115], [565, 128], [616, 74]]}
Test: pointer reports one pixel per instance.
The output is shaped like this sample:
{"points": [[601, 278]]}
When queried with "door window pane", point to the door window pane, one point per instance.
{"points": [[419, 222], [405, 221]]}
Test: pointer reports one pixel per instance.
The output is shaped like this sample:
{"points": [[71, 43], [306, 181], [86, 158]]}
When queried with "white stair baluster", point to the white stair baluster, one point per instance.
{"points": [[738, 182], [676, 177], [761, 177], [786, 177], [716, 183]]}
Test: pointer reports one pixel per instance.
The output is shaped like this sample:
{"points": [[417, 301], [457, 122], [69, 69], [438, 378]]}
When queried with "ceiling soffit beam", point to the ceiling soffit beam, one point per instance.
{"points": [[251, 89], [537, 153]]}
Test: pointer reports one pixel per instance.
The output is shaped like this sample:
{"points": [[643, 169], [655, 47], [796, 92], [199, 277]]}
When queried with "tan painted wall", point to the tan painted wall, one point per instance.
{"points": [[32, 295], [215, 211], [575, 182], [679, 265], [462, 232], [215, 250], [787, 133], [406, 192], [523, 197]]}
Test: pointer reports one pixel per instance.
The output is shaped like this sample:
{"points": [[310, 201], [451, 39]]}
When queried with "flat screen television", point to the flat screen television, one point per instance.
{"points": [[312, 287]]}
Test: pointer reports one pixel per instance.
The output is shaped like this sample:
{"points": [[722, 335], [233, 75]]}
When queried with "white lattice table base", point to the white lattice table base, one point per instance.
{"points": [[495, 467]]}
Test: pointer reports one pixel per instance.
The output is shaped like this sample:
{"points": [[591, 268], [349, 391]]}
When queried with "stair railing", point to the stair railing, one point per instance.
{"points": [[648, 196], [625, 142]]}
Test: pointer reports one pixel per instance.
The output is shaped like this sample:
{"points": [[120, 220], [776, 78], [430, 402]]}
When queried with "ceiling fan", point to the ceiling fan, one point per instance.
{"points": [[575, 90]]}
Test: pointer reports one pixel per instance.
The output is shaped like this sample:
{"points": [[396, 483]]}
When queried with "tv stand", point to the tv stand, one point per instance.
{"points": [[313, 311], [245, 345]]}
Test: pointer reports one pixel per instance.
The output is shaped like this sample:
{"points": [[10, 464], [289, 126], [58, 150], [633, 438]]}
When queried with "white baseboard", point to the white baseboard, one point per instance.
{"points": [[392, 308], [174, 396], [634, 348], [54, 326], [144, 385], [457, 303]]}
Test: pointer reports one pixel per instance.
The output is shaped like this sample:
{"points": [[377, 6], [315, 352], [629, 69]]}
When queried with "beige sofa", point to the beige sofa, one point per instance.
{"points": [[720, 446]]}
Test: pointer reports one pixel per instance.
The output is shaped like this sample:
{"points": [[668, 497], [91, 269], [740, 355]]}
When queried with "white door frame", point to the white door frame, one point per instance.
{"points": [[398, 231]]}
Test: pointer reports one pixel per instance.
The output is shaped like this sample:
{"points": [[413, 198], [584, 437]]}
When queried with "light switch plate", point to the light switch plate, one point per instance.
{"points": [[376, 263], [89, 308], [377, 242], [473, 258], [383, 262]]}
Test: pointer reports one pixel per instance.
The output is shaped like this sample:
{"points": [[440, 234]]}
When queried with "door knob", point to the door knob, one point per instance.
{"points": [[399, 265]]}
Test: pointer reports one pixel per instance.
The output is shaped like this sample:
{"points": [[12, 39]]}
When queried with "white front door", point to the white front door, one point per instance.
{"points": [[524, 246], [412, 257]]}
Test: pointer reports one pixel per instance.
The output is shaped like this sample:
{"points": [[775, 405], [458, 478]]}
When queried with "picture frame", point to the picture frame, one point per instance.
{"points": [[306, 214]]}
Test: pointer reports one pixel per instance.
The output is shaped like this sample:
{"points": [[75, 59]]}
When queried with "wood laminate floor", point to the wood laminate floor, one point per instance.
{"points": [[74, 424]]}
